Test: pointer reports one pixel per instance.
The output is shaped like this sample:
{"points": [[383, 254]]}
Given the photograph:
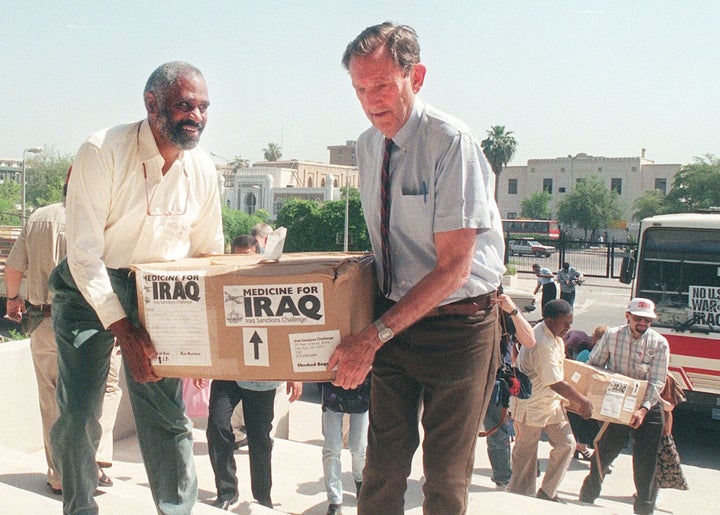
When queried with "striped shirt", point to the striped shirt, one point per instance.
{"points": [[643, 358]]}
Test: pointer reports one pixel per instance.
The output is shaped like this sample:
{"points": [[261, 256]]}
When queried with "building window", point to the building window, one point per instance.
{"points": [[562, 169], [512, 186], [561, 189], [250, 203], [633, 168], [661, 184], [512, 215], [532, 170], [547, 185], [616, 185], [599, 168]]}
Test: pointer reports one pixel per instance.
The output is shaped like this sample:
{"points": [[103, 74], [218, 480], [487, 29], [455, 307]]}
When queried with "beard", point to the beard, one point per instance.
{"points": [[174, 131]]}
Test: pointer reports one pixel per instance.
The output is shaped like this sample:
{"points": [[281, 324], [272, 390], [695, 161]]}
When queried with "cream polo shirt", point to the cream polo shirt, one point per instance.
{"points": [[40, 247], [543, 364], [116, 181]]}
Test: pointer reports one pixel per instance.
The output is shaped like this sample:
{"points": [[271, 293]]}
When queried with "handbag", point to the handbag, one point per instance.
{"points": [[197, 400], [516, 382], [667, 470]]}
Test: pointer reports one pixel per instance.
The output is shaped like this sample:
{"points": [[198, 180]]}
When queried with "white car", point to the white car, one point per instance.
{"points": [[523, 299]]}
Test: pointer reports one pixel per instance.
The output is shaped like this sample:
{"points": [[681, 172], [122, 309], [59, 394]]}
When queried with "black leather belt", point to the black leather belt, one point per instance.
{"points": [[465, 307], [44, 308]]}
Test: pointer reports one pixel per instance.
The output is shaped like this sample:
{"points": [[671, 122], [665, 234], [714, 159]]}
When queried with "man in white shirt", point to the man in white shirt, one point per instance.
{"points": [[138, 193]]}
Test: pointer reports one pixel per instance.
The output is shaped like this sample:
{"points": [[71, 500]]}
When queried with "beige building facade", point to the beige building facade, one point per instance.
{"points": [[628, 176]]}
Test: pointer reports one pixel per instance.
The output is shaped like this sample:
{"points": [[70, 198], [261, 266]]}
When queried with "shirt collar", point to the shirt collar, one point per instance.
{"points": [[411, 125], [147, 147]]}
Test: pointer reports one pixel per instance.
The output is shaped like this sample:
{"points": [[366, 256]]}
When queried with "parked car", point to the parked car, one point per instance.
{"points": [[529, 248], [523, 299]]}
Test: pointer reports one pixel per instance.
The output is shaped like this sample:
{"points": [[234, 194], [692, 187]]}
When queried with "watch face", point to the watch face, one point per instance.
{"points": [[385, 335]]}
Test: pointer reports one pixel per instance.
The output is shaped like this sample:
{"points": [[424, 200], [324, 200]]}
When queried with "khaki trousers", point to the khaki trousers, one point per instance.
{"points": [[524, 457]]}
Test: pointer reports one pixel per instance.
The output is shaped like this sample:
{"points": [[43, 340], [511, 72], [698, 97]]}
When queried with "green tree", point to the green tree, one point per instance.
{"points": [[696, 186], [650, 203], [237, 222], [499, 148], [591, 206], [273, 152], [9, 203], [536, 206], [45, 178], [314, 226]]}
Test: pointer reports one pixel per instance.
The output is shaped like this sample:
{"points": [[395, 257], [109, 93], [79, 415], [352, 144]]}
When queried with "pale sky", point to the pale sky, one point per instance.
{"points": [[601, 77]]}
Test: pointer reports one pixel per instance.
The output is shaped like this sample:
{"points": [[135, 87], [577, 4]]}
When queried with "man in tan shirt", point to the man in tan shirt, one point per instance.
{"points": [[544, 410], [39, 248]]}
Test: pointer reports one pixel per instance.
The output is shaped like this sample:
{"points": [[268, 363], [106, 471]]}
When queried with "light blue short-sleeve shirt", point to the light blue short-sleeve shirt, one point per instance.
{"points": [[440, 181]]}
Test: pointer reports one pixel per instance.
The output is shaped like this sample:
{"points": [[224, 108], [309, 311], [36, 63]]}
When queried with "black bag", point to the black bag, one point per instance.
{"points": [[514, 382]]}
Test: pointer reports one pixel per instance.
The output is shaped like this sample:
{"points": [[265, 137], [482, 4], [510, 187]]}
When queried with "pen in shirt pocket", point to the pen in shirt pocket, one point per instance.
{"points": [[424, 191]]}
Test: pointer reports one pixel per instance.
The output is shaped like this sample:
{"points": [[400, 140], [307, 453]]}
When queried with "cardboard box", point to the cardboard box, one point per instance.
{"points": [[614, 397], [234, 317]]}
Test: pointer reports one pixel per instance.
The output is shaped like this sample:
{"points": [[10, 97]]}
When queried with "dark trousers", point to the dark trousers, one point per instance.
{"points": [[569, 296], [549, 292], [258, 411], [645, 442], [441, 369]]}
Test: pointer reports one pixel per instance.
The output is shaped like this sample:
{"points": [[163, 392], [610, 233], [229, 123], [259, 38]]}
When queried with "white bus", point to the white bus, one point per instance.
{"points": [[677, 266]]}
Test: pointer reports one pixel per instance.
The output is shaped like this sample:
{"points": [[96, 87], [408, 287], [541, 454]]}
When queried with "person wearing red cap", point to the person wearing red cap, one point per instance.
{"points": [[636, 351]]}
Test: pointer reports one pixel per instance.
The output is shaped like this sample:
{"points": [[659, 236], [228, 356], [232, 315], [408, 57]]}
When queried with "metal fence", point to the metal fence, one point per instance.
{"points": [[591, 258]]}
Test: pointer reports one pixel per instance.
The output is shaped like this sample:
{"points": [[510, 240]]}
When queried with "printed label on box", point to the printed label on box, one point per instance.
{"points": [[255, 347], [176, 316], [311, 351], [277, 305], [614, 398]]}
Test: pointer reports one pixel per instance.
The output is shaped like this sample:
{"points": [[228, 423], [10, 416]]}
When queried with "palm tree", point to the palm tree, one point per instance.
{"points": [[273, 152], [499, 148], [239, 162]]}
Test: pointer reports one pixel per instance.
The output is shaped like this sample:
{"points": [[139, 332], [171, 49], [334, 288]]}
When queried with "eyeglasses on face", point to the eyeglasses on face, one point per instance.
{"points": [[636, 318]]}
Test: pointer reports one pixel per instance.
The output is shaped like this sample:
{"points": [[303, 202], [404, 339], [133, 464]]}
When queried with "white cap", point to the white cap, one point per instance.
{"points": [[642, 307]]}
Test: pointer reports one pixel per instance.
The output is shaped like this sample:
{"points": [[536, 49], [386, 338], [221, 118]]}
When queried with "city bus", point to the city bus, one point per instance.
{"points": [[514, 227], [677, 266]]}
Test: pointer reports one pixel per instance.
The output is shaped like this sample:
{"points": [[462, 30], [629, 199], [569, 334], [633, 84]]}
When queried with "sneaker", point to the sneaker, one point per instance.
{"points": [[334, 509]]}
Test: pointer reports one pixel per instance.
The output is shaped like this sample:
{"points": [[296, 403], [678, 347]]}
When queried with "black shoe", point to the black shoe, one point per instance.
{"points": [[334, 509], [224, 504], [585, 455], [241, 443], [358, 486], [545, 497], [104, 480]]}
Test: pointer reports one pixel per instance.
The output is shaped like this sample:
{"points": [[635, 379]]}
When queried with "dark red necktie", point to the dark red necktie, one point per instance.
{"points": [[385, 218]]}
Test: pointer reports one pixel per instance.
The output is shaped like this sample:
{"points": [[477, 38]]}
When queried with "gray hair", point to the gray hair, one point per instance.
{"points": [[556, 308], [261, 230], [400, 42], [166, 76]]}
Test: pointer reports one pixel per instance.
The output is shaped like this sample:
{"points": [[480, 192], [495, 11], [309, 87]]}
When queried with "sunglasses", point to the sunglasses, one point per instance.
{"points": [[636, 318]]}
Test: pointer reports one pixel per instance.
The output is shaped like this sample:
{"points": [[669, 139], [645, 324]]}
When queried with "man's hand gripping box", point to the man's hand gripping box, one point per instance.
{"points": [[614, 397], [235, 317]]}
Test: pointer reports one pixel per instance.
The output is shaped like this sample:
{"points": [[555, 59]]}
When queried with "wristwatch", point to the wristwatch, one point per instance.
{"points": [[514, 312], [384, 332]]}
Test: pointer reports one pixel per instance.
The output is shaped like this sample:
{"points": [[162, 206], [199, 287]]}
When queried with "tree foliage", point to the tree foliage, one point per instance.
{"points": [[315, 226], [273, 152], [591, 206], [499, 148], [650, 203], [237, 222], [9, 203], [696, 186], [46, 175], [536, 206]]}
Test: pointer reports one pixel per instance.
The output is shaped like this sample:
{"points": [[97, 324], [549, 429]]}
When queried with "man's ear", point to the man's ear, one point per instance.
{"points": [[150, 103], [418, 76]]}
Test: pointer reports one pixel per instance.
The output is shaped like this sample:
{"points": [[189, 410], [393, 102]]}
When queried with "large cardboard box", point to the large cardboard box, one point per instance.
{"points": [[614, 397], [234, 317]]}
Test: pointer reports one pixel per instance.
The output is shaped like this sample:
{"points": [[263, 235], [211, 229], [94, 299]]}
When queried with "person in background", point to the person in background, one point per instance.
{"points": [[141, 192], [258, 399], [36, 252], [261, 232], [578, 346], [637, 351], [498, 426], [569, 279], [336, 403], [546, 281], [427, 192], [544, 410]]}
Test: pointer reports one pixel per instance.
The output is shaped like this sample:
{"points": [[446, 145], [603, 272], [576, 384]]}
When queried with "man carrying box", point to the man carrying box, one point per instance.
{"points": [[636, 351]]}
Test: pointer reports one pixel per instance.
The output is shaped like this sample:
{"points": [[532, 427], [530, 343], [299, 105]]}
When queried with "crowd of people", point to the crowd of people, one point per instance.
{"points": [[145, 192]]}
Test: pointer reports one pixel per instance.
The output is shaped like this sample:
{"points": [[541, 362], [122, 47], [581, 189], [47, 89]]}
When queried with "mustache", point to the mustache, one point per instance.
{"points": [[191, 123]]}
